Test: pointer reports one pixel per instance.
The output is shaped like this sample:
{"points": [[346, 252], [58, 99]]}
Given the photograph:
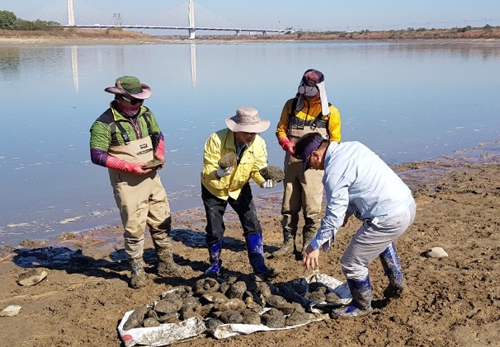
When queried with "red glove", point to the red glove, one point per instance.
{"points": [[160, 150], [119, 164], [287, 145]]}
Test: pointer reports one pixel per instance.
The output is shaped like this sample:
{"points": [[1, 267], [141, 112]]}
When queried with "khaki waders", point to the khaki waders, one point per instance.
{"points": [[143, 202]]}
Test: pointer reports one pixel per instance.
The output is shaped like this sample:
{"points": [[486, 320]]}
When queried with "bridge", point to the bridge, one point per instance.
{"points": [[188, 16]]}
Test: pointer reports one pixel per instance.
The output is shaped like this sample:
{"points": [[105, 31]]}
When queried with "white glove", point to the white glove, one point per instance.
{"points": [[267, 184], [224, 172]]}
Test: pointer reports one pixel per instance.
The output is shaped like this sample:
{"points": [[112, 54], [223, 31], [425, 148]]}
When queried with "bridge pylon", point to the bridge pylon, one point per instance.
{"points": [[71, 13], [191, 30]]}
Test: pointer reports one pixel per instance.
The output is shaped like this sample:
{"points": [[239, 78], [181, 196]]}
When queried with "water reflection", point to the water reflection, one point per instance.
{"points": [[74, 66], [406, 101], [193, 65]]}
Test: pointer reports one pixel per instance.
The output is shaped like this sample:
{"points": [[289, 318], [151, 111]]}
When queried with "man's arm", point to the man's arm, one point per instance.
{"points": [[334, 125]]}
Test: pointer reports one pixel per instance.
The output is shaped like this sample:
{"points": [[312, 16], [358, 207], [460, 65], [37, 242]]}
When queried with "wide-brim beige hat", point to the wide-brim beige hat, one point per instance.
{"points": [[130, 86], [247, 120]]}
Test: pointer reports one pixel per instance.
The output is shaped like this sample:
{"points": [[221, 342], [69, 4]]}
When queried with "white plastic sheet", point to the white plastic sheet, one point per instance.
{"points": [[163, 335], [227, 330]]}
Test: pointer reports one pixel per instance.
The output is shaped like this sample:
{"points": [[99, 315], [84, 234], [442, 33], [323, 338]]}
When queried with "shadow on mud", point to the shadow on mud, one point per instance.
{"points": [[117, 266]]}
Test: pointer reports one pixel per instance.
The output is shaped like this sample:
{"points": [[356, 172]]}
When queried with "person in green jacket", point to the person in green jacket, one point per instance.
{"points": [[124, 139], [229, 184]]}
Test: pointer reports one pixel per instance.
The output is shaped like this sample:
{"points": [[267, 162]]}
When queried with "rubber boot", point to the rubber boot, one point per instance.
{"points": [[288, 246], [307, 236], [215, 261], [255, 250], [138, 276], [392, 268], [166, 263], [360, 305]]}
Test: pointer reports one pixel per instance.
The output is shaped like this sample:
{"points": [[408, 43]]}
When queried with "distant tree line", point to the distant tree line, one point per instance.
{"points": [[9, 21]]}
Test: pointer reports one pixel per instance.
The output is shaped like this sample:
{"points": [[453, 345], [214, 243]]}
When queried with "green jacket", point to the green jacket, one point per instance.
{"points": [[107, 129]]}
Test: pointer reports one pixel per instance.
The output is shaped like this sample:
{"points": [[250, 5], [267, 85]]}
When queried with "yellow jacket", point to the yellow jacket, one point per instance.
{"points": [[309, 112], [254, 158]]}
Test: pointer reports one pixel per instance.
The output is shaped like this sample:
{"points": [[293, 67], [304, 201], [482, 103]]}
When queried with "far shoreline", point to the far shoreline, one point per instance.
{"points": [[66, 37], [35, 41]]}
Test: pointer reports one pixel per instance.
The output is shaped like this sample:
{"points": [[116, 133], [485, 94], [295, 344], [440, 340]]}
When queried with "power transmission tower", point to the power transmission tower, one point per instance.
{"points": [[117, 19]]}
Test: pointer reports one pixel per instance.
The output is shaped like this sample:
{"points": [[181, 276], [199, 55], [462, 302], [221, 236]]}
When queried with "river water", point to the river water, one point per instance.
{"points": [[407, 101]]}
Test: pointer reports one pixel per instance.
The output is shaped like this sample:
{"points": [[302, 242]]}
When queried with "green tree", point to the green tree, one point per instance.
{"points": [[7, 20]]}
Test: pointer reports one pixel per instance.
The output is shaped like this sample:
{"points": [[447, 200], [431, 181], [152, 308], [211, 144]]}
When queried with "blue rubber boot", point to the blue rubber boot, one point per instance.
{"points": [[215, 261], [361, 291], [255, 250], [392, 268]]}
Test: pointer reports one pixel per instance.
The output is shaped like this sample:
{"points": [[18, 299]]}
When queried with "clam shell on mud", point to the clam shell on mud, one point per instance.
{"points": [[231, 317], [179, 291], [206, 285], [212, 324], [277, 301], [216, 298], [172, 317], [232, 305], [168, 306], [298, 318], [274, 318], [251, 317], [318, 287], [135, 319], [316, 296], [236, 290], [150, 322], [332, 297]]}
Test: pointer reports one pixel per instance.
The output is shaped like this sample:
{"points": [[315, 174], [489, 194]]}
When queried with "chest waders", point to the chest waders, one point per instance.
{"points": [[143, 202], [302, 191]]}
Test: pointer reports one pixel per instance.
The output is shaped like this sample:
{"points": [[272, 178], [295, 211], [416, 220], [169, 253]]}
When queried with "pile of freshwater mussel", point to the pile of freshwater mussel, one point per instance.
{"points": [[235, 300]]}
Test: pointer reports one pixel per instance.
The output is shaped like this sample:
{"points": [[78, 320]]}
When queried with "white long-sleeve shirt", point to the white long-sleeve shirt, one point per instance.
{"points": [[356, 180]]}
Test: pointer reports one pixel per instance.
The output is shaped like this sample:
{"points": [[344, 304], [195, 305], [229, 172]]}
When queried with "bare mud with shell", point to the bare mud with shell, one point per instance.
{"points": [[451, 301]]}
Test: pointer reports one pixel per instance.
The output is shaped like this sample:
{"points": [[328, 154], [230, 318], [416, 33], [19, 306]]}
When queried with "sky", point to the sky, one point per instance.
{"points": [[310, 15]]}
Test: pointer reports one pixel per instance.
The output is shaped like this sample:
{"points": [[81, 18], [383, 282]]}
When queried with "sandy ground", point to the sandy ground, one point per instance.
{"points": [[452, 301]]}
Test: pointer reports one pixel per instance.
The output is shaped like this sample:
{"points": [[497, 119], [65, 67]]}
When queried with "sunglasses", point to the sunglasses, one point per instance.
{"points": [[133, 101]]}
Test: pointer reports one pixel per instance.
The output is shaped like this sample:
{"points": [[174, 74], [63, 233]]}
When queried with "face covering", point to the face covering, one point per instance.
{"points": [[308, 90], [311, 91], [129, 111]]}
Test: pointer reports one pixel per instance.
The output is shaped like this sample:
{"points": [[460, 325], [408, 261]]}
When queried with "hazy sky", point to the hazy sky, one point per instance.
{"points": [[306, 15]]}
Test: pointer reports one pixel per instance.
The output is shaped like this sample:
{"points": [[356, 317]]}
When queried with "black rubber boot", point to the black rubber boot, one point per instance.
{"points": [[288, 246], [167, 265]]}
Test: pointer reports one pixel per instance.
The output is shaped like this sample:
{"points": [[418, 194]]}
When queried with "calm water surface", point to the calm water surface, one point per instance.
{"points": [[407, 101]]}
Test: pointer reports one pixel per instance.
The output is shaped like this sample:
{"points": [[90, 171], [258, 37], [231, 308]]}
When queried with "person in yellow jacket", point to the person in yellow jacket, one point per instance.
{"points": [[309, 111], [221, 185]]}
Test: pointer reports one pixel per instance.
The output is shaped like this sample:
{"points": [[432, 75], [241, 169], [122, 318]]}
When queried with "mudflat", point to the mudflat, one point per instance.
{"points": [[450, 301]]}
